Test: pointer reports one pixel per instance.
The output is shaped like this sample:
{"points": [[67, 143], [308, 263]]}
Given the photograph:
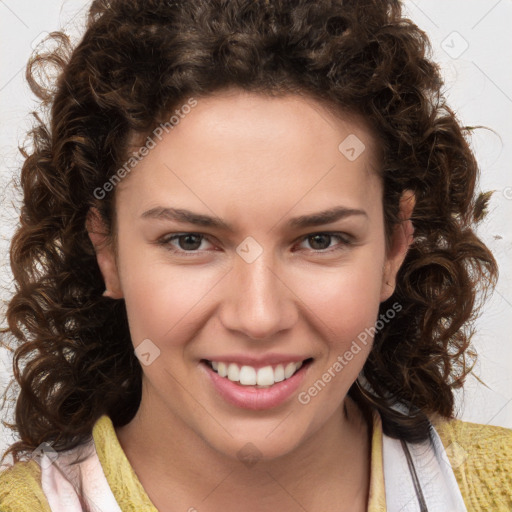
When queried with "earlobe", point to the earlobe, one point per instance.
{"points": [[402, 238], [105, 255]]}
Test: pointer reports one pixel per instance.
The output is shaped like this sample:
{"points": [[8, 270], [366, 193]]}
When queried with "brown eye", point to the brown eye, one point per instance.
{"points": [[321, 242], [187, 243]]}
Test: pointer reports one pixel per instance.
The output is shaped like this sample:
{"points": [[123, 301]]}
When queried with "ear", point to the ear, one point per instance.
{"points": [[105, 255], [401, 239]]}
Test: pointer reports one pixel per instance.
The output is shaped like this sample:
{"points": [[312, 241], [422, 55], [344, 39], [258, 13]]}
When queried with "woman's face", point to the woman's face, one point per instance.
{"points": [[252, 285]]}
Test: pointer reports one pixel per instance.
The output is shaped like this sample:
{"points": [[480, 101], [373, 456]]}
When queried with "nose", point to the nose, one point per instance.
{"points": [[257, 300]]}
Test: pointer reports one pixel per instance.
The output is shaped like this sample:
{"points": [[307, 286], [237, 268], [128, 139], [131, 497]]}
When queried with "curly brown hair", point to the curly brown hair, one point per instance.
{"points": [[136, 63]]}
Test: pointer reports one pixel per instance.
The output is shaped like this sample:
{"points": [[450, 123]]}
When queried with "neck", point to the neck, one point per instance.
{"points": [[334, 463]]}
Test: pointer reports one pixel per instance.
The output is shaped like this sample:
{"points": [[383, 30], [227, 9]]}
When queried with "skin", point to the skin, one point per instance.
{"points": [[254, 162]]}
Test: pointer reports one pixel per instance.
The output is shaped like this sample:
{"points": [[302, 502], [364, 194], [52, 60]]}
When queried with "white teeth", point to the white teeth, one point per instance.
{"points": [[249, 376], [233, 372], [289, 370], [222, 370], [279, 373], [265, 376]]}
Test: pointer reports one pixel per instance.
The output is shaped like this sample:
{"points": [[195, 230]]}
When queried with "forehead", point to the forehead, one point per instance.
{"points": [[249, 146], [235, 113]]}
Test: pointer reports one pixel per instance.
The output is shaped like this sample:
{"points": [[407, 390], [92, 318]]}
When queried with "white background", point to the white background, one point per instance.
{"points": [[472, 41]]}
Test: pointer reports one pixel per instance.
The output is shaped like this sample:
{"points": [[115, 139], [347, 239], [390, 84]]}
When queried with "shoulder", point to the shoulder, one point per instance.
{"points": [[478, 439], [20, 488], [481, 458]]}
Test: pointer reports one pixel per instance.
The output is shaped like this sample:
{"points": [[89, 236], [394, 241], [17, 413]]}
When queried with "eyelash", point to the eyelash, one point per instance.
{"points": [[166, 240]]}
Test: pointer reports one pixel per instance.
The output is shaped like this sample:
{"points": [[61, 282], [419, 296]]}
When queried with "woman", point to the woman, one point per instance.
{"points": [[190, 342]]}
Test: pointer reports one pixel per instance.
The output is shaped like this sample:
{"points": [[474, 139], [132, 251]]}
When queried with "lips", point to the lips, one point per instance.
{"points": [[254, 397], [248, 375]]}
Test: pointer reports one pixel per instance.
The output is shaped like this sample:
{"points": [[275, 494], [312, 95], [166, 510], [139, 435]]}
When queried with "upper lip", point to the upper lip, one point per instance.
{"points": [[258, 362]]}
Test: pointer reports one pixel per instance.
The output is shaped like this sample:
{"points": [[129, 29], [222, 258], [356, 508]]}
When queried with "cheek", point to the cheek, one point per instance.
{"points": [[344, 307], [162, 299], [346, 299]]}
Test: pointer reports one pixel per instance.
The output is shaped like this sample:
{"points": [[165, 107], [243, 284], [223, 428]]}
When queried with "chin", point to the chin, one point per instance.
{"points": [[255, 444]]}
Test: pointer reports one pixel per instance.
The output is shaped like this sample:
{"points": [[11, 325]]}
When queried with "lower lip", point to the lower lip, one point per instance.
{"points": [[251, 397]]}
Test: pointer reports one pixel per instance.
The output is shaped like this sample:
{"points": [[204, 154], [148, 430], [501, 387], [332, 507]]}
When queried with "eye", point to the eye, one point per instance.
{"points": [[187, 242], [320, 241], [190, 243]]}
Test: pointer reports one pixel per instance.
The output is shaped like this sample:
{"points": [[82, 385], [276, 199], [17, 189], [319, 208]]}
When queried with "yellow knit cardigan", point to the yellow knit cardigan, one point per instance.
{"points": [[481, 457]]}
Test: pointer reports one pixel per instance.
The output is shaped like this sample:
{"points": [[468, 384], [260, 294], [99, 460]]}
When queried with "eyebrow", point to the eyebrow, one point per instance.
{"points": [[303, 221]]}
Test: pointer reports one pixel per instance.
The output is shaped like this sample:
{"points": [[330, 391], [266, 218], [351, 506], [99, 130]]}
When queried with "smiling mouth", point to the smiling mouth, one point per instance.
{"points": [[265, 377]]}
